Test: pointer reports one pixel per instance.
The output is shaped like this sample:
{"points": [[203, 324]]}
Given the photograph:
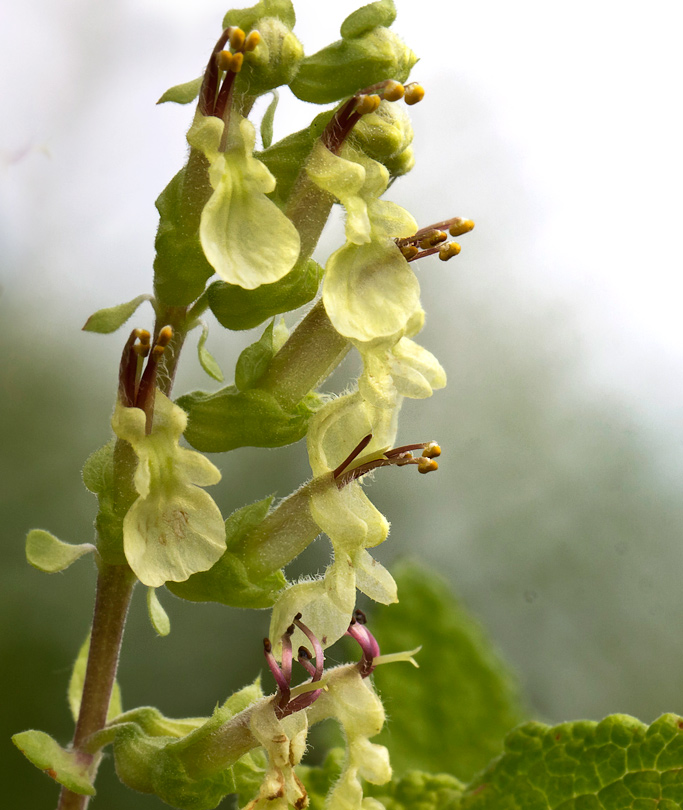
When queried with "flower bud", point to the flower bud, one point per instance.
{"points": [[273, 61], [385, 133], [344, 67]]}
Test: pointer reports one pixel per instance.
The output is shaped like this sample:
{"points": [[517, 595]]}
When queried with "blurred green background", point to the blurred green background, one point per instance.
{"points": [[556, 514]]}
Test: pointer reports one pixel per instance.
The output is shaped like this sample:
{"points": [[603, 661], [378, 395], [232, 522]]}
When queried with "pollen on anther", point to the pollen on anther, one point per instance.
{"points": [[367, 104], [432, 239], [237, 38], [426, 465], [394, 91], [252, 41], [409, 251], [414, 93], [448, 251], [460, 226], [164, 337], [432, 450], [224, 60], [237, 60]]}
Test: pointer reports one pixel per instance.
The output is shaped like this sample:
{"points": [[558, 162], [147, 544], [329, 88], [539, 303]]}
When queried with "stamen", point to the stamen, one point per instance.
{"points": [[237, 38], [281, 682], [414, 93], [304, 658], [398, 457], [358, 449], [145, 393], [368, 643], [363, 102], [224, 60], [129, 367], [448, 251], [431, 239], [460, 226], [237, 61], [207, 94], [287, 653], [317, 647], [410, 251], [367, 104], [253, 41]]}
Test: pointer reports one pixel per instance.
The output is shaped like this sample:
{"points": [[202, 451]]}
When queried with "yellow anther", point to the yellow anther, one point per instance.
{"points": [[460, 226], [393, 91], [237, 59], [432, 239], [448, 251], [410, 251], [432, 450], [414, 93], [164, 337], [252, 41], [367, 104], [141, 349], [237, 37], [143, 335], [224, 60], [405, 458], [426, 465]]}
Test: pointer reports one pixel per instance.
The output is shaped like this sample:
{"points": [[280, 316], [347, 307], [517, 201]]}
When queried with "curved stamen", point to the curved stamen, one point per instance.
{"points": [[317, 647], [304, 658], [282, 684], [368, 643]]}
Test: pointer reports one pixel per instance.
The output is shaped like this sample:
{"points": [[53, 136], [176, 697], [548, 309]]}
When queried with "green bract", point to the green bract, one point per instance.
{"points": [[245, 237], [174, 528]]}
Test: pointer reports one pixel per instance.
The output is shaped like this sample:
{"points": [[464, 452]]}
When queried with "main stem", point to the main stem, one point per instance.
{"points": [[114, 589]]}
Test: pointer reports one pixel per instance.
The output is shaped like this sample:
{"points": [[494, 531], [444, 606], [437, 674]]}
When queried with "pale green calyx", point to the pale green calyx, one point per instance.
{"points": [[174, 529], [246, 238]]}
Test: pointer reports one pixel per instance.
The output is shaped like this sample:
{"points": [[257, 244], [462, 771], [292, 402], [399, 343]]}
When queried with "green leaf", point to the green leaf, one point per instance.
{"points": [[157, 615], [228, 582], [69, 768], [254, 360], [110, 319], [183, 93], [238, 309], [206, 359], [46, 553], [452, 714], [229, 418], [77, 680], [267, 121], [364, 19], [616, 763]]}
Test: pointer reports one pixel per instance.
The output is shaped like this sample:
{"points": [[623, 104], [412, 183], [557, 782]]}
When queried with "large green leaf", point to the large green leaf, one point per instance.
{"points": [[453, 713], [615, 764]]}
